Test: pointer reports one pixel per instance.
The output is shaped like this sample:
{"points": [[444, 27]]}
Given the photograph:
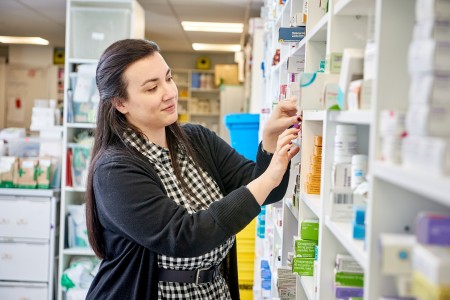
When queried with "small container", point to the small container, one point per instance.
{"points": [[359, 170]]}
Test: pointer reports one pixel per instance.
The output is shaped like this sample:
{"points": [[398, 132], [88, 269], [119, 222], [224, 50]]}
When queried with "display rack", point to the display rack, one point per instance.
{"points": [[88, 22], [397, 194]]}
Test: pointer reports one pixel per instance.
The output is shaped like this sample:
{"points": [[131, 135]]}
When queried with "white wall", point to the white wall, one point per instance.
{"points": [[30, 55]]}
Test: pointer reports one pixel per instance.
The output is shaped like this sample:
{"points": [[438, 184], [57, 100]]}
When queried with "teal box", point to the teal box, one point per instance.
{"points": [[244, 130], [291, 34]]}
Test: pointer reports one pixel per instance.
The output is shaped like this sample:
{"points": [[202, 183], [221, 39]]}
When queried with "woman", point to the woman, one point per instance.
{"points": [[164, 202]]}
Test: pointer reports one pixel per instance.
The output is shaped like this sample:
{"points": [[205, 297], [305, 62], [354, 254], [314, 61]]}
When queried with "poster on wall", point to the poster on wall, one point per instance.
{"points": [[15, 107]]}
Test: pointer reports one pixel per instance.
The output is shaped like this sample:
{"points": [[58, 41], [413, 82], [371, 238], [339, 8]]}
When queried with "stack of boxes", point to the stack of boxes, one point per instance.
{"points": [[246, 260], [305, 248], [420, 262], [313, 182], [428, 118], [348, 277]]}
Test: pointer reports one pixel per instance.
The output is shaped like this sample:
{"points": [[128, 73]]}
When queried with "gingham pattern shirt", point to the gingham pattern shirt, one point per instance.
{"points": [[207, 192]]}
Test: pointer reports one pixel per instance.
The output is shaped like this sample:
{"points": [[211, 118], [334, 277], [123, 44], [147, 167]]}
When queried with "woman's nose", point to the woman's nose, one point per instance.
{"points": [[170, 90]]}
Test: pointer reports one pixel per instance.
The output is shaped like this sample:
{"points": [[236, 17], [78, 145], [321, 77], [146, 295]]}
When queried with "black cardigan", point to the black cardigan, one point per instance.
{"points": [[140, 221]]}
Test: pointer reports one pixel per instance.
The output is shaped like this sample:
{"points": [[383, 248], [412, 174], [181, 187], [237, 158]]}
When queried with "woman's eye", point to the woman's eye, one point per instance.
{"points": [[169, 78], [152, 89]]}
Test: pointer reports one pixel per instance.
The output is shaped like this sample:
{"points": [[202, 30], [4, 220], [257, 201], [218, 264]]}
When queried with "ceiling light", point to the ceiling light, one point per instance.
{"points": [[23, 40], [216, 47], [212, 26]]}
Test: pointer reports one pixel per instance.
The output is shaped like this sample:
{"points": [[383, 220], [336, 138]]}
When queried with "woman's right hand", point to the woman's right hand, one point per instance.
{"points": [[271, 178]]}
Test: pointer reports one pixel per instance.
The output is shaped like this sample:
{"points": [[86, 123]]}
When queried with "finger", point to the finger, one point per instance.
{"points": [[290, 131], [293, 151]]}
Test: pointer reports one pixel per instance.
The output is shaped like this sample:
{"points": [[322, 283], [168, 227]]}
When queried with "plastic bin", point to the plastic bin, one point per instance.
{"points": [[243, 130], [94, 29]]}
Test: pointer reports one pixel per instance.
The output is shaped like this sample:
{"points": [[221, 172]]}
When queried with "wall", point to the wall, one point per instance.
{"points": [[178, 60], [30, 55]]}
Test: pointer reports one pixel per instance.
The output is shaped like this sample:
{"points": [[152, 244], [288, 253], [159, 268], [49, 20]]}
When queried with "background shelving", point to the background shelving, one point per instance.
{"points": [[129, 15]]}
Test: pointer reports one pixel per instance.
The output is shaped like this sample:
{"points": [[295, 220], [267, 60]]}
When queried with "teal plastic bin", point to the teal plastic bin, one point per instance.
{"points": [[243, 130]]}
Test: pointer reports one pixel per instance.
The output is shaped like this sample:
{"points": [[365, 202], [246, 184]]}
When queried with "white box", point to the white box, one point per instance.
{"points": [[432, 9], [433, 262], [295, 64], [429, 56], [432, 29], [396, 253], [429, 88], [352, 68], [24, 218], [24, 262], [94, 29], [18, 291], [428, 120]]}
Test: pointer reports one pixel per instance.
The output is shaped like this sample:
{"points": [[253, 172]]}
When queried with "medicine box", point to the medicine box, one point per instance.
{"points": [[291, 34], [396, 253], [309, 230]]}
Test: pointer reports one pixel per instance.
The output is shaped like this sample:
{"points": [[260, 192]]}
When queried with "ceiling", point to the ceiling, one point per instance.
{"points": [[46, 19]]}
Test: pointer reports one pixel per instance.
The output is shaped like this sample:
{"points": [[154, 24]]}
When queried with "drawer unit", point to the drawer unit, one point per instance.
{"points": [[23, 292], [24, 261], [28, 224], [25, 218]]}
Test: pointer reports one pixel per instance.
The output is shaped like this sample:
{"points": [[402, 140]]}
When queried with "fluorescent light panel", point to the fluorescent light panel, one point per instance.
{"points": [[213, 26], [23, 40], [216, 47]]}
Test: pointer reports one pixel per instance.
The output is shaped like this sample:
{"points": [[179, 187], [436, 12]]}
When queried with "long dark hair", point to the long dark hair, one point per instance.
{"points": [[111, 124]]}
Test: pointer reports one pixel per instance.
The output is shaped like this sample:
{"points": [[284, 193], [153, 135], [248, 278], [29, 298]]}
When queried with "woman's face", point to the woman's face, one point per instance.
{"points": [[152, 94]]}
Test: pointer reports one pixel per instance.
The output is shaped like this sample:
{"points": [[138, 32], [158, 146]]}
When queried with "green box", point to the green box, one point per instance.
{"points": [[349, 279], [310, 230], [303, 266], [304, 248]]}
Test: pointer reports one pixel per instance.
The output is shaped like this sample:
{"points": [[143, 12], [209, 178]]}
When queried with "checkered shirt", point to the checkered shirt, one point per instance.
{"points": [[208, 192]]}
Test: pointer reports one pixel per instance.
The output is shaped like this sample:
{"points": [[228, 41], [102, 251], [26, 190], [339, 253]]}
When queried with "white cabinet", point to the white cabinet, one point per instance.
{"points": [[396, 193], [28, 247], [91, 26]]}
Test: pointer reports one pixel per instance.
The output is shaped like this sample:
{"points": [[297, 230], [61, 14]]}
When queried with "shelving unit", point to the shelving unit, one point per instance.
{"points": [[198, 104], [397, 193], [129, 23]]}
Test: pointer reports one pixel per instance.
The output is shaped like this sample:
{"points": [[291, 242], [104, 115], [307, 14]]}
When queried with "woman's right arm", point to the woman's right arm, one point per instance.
{"points": [[131, 202]]}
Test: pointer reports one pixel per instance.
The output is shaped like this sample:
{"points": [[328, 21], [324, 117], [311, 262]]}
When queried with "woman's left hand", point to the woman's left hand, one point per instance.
{"points": [[283, 116]]}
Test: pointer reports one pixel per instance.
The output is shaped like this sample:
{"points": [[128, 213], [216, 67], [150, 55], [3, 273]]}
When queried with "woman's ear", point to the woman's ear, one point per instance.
{"points": [[119, 104]]}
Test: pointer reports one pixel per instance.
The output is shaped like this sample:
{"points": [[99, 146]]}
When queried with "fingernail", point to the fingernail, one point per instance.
{"points": [[290, 143], [299, 119], [296, 133]]}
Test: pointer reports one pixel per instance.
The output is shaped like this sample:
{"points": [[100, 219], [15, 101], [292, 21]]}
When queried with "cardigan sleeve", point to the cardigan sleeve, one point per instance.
{"points": [[233, 169], [131, 201]]}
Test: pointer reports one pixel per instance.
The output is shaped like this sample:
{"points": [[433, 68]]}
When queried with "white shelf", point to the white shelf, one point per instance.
{"points": [[428, 185], [308, 286], [314, 115], [319, 32], [353, 7], [343, 232], [299, 49], [79, 251], [362, 117], [75, 189], [313, 202], [81, 125], [294, 211]]}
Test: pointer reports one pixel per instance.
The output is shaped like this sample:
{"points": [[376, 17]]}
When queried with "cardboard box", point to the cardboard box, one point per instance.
{"points": [[226, 74]]}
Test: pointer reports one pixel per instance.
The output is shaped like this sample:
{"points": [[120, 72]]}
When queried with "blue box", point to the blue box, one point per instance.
{"points": [[243, 130], [291, 34]]}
